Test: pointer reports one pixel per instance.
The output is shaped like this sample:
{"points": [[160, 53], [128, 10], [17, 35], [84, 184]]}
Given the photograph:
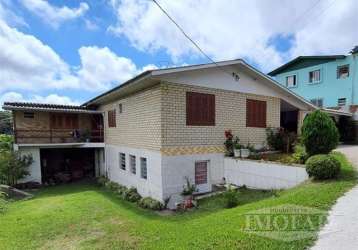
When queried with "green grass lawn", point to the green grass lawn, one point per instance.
{"points": [[83, 216]]}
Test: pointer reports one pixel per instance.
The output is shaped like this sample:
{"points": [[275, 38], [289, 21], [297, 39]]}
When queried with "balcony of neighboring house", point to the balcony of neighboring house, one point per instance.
{"points": [[39, 124]]}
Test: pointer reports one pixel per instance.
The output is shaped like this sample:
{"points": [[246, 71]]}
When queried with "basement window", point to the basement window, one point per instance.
{"points": [[122, 161], [143, 167], [29, 115]]}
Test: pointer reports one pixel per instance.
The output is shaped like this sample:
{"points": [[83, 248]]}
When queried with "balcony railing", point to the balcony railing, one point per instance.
{"points": [[33, 136]]}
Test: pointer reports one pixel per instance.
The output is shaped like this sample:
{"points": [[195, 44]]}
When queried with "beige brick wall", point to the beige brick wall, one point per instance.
{"points": [[139, 125], [230, 114]]}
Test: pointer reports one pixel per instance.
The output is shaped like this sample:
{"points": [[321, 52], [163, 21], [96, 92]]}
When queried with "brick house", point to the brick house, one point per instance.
{"points": [[163, 125]]}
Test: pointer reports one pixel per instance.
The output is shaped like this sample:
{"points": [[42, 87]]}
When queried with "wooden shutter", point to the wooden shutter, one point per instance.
{"points": [[255, 113], [200, 109], [111, 118]]}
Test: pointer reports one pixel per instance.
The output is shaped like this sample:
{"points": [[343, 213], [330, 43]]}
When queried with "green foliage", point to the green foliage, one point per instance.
{"points": [[229, 143], [231, 197], [6, 122], [300, 155], [3, 202], [102, 180], [150, 203], [13, 167], [6, 142], [188, 188], [111, 185], [131, 195], [323, 167], [275, 139], [319, 133]]}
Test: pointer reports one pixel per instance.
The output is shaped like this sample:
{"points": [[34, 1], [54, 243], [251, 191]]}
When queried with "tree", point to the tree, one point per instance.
{"points": [[319, 133], [6, 122]]}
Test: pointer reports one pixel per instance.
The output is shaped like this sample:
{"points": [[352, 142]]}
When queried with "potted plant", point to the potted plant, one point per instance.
{"points": [[86, 135], [187, 193], [241, 150]]}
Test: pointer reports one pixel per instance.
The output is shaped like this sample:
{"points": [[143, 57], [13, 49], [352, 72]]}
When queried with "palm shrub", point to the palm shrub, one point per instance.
{"points": [[323, 167], [319, 133], [230, 196]]}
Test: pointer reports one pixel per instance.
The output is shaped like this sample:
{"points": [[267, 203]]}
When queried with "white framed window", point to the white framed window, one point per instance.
{"points": [[29, 115], [291, 81], [122, 161], [317, 102], [132, 164], [143, 167], [120, 108], [314, 76], [343, 71], [342, 102]]}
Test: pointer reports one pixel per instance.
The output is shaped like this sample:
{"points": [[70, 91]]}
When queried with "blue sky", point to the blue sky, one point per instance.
{"points": [[69, 51]]}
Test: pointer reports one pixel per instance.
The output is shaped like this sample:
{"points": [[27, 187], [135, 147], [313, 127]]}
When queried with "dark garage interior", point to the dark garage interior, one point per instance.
{"points": [[62, 165]]}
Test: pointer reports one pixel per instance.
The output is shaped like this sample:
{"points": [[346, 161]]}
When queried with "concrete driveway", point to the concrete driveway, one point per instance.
{"points": [[341, 230]]}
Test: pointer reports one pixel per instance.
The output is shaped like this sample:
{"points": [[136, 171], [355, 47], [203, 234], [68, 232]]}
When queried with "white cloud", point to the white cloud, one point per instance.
{"points": [[101, 68], [90, 25], [28, 64], [230, 29], [9, 16], [52, 98], [54, 15]]}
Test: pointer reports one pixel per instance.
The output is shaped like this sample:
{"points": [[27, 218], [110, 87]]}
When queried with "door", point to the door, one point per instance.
{"points": [[202, 177]]}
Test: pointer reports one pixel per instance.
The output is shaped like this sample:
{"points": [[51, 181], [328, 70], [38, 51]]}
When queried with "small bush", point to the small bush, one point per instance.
{"points": [[150, 203], [122, 190], [275, 138], [231, 198], [131, 195], [323, 167], [3, 202], [300, 155], [113, 186], [319, 133], [101, 181]]}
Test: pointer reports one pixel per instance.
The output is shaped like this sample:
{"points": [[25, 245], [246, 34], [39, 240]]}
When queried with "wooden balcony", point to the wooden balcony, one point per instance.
{"points": [[33, 136]]}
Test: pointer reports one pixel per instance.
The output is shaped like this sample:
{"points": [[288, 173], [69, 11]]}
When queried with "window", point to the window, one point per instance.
{"points": [[120, 108], [314, 76], [200, 109], [122, 161], [255, 113], [291, 81], [143, 167], [30, 115], [132, 164], [112, 118], [342, 72], [64, 121], [317, 102], [342, 102]]}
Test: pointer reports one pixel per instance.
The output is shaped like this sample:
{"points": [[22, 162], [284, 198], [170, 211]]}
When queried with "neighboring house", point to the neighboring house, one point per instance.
{"points": [[327, 81], [159, 127]]}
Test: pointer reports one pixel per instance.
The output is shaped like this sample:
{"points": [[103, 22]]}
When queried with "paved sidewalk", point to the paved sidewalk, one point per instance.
{"points": [[341, 231]]}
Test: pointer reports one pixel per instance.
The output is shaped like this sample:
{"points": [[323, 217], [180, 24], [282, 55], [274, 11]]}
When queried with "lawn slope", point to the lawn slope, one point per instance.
{"points": [[83, 216]]}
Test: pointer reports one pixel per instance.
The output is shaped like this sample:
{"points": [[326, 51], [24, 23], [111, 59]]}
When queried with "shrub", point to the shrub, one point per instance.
{"points": [[300, 155], [111, 185], [131, 195], [231, 198], [229, 143], [102, 180], [122, 190], [275, 138], [13, 167], [150, 203], [2, 202], [319, 133], [323, 167]]}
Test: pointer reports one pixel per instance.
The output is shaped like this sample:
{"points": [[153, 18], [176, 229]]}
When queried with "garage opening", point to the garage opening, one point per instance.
{"points": [[67, 164], [289, 117]]}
